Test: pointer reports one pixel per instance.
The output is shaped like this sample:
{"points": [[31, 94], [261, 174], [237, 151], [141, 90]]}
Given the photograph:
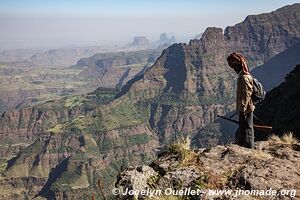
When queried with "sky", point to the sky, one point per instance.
{"points": [[56, 23]]}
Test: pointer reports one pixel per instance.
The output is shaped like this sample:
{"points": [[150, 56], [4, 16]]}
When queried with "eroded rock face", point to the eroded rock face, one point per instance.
{"points": [[221, 167], [13, 98], [281, 106], [24, 126], [115, 69]]}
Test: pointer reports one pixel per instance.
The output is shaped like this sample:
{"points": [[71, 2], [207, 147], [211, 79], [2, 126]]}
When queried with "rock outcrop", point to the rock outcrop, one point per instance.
{"points": [[164, 40], [140, 41], [229, 167]]}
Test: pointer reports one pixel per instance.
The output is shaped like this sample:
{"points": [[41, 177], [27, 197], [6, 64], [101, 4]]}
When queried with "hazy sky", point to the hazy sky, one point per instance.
{"points": [[50, 23]]}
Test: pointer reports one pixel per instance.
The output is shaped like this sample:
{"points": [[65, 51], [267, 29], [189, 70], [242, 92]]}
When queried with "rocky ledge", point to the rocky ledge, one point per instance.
{"points": [[272, 165]]}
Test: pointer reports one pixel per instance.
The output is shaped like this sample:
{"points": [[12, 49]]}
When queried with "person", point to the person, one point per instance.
{"points": [[244, 104]]}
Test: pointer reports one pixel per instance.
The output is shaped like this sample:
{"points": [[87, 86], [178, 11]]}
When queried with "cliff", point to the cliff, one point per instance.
{"points": [[281, 108], [231, 168], [115, 69]]}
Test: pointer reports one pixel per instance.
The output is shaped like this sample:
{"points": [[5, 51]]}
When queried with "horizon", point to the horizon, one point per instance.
{"points": [[40, 24]]}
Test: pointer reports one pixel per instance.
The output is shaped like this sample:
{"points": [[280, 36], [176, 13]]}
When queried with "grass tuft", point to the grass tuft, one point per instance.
{"points": [[183, 147], [274, 139], [288, 138], [261, 155]]}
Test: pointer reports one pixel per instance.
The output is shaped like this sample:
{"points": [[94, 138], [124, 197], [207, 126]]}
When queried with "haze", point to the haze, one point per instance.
{"points": [[57, 23]]}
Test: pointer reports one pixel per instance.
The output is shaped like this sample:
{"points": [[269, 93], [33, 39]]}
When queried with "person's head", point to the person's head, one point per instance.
{"points": [[238, 62]]}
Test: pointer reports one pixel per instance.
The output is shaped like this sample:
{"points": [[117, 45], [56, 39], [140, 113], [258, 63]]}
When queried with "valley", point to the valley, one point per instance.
{"points": [[28, 83]]}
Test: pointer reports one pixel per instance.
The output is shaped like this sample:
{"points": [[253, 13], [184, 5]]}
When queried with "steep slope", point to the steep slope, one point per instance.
{"points": [[267, 34], [272, 73], [281, 108], [115, 69], [184, 90]]}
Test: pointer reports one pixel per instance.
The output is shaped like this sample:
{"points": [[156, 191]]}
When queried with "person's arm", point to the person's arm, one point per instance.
{"points": [[246, 92]]}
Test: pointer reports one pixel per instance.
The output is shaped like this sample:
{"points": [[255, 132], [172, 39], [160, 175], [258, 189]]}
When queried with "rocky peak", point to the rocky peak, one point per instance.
{"points": [[265, 34], [165, 39], [259, 37], [140, 40]]}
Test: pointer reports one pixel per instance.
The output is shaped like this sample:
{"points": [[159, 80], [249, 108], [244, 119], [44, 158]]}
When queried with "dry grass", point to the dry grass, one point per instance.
{"points": [[183, 143], [274, 139], [183, 147], [261, 155], [287, 139]]}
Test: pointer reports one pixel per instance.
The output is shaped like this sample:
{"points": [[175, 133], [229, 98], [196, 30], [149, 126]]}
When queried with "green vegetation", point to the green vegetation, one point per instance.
{"points": [[123, 115], [182, 147], [58, 128], [225, 99], [35, 77], [125, 141], [211, 130], [61, 149], [73, 178], [74, 101], [90, 145], [3, 165], [171, 98]]}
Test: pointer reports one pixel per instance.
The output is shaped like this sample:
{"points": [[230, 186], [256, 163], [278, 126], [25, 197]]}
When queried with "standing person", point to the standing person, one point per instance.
{"points": [[244, 104]]}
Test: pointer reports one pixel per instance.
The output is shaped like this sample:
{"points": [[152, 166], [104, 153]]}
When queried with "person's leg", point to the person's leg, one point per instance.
{"points": [[246, 130], [238, 139]]}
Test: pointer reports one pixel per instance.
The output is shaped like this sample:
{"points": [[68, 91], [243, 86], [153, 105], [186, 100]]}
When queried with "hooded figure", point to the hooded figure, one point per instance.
{"points": [[244, 104]]}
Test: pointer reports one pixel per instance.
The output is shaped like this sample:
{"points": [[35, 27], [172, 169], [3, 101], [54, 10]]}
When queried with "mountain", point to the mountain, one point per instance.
{"points": [[53, 57], [73, 142], [164, 40], [196, 76], [277, 67], [17, 54], [115, 69], [139, 41], [281, 107], [209, 170], [64, 56]]}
